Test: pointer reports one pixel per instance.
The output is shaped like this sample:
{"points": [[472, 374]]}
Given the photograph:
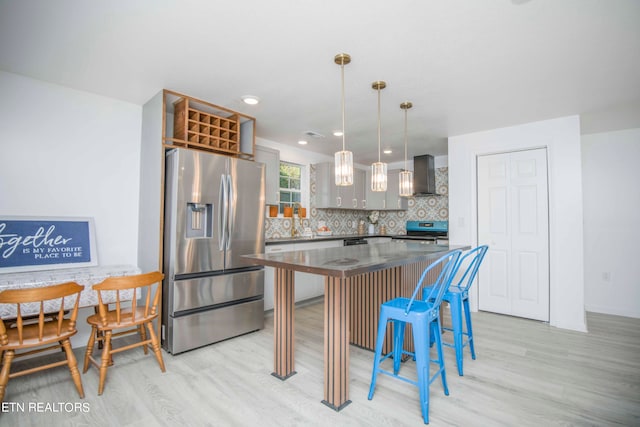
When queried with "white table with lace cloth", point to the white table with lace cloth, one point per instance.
{"points": [[86, 276]]}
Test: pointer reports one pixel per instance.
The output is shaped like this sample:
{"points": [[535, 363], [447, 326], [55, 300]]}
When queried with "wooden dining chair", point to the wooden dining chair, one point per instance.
{"points": [[129, 316], [49, 329]]}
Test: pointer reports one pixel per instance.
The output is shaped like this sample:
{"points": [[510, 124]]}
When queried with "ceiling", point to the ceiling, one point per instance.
{"points": [[466, 65]]}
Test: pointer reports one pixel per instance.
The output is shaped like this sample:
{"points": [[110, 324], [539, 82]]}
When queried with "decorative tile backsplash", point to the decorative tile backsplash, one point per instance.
{"points": [[345, 221]]}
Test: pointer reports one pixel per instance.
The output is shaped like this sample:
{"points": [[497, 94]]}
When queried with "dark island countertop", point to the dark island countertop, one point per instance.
{"points": [[347, 261]]}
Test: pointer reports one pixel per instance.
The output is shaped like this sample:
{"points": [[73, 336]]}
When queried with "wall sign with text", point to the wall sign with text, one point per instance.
{"points": [[45, 243]]}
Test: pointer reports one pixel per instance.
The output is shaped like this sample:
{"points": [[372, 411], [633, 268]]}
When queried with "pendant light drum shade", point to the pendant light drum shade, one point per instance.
{"points": [[406, 183], [379, 176], [343, 159], [344, 168], [406, 176]]}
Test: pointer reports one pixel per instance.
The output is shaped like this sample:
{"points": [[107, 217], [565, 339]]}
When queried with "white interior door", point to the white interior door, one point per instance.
{"points": [[513, 220]]}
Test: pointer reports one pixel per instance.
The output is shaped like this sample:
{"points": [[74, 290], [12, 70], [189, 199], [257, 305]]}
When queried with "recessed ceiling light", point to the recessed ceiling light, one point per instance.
{"points": [[302, 142], [387, 151], [337, 133], [250, 99]]}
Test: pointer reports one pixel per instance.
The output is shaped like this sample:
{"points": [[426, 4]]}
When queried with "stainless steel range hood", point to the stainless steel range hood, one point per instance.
{"points": [[424, 176]]}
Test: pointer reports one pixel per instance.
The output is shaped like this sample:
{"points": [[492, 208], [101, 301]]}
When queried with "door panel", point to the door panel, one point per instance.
{"points": [[247, 213], [498, 212], [495, 296], [497, 169], [186, 332], [192, 210], [493, 213], [524, 167], [203, 292], [527, 221], [513, 221], [528, 266], [531, 233]]}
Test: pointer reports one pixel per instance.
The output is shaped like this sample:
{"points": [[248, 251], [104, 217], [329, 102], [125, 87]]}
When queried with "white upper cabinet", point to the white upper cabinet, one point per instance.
{"points": [[329, 195], [327, 192], [271, 159], [375, 199], [386, 200], [393, 201], [359, 196]]}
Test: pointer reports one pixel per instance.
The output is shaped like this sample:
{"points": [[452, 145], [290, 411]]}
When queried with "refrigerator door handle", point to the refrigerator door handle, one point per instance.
{"points": [[222, 213], [232, 211]]}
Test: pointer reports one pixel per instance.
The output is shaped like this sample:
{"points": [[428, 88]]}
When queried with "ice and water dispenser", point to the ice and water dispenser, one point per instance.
{"points": [[199, 220]]}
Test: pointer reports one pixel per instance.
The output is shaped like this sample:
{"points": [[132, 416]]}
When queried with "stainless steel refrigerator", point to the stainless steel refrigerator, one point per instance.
{"points": [[214, 213]]}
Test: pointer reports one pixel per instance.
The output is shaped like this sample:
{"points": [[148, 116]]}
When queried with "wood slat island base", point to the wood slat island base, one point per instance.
{"points": [[357, 280], [283, 325], [336, 342]]}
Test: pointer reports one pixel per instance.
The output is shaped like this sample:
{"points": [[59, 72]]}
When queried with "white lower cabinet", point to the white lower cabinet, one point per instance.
{"points": [[312, 285], [307, 285], [269, 273], [374, 240]]}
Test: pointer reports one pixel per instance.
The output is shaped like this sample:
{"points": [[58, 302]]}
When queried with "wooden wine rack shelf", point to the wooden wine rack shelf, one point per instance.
{"points": [[200, 125], [199, 129]]}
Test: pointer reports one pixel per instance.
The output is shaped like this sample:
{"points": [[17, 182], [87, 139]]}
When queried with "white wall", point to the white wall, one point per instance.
{"points": [[611, 179], [71, 153], [561, 137]]}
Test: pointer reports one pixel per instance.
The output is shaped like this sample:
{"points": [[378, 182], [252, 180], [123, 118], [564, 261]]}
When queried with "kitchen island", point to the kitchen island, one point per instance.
{"points": [[357, 280]]}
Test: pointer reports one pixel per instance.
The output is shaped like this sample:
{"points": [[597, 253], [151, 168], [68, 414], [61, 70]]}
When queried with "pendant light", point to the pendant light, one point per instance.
{"points": [[344, 158], [406, 176], [378, 169]]}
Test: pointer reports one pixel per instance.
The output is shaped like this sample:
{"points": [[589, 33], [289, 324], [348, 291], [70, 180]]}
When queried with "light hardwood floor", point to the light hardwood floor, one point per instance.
{"points": [[526, 373]]}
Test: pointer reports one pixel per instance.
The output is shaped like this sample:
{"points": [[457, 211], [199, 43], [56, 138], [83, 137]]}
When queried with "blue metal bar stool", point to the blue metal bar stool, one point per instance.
{"points": [[424, 317], [458, 298]]}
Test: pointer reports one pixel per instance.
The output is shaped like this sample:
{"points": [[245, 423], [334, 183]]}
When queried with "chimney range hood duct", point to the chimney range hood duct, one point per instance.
{"points": [[424, 176]]}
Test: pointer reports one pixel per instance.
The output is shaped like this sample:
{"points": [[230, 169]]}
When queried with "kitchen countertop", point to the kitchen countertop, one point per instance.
{"points": [[350, 261], [300, 239], [405, 237]]}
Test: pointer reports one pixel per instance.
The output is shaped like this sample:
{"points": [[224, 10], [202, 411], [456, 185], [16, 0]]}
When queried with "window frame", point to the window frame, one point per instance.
{"points": [[289, 190]]}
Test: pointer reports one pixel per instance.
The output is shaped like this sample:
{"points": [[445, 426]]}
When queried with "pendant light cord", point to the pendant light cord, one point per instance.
{"points": [[378, 124], [342, 76], [405, 139]]}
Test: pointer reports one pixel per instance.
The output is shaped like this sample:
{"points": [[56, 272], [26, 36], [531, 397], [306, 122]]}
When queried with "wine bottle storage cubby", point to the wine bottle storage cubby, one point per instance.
{"points": [[205, 130]]}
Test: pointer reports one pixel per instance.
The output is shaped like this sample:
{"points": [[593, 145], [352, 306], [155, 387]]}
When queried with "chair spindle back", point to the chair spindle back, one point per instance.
{"points": [[59, 296], [136, 284]]}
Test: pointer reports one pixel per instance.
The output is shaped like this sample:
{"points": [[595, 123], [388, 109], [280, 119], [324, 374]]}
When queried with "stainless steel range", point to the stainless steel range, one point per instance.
{"points": [[434, 231]]}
